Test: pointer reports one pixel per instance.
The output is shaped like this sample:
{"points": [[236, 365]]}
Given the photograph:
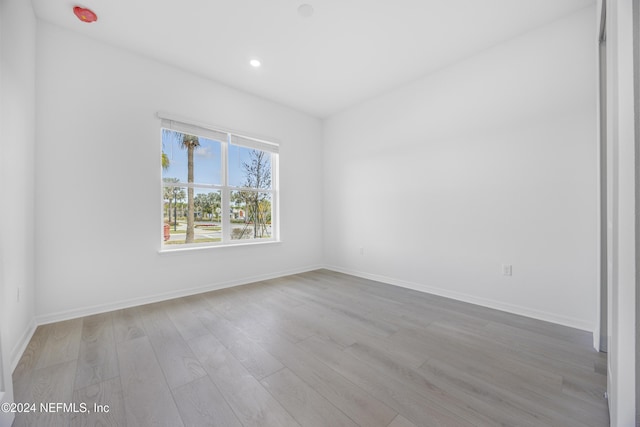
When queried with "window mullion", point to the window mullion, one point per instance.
{"points": [[192, 185], [226, 194]]}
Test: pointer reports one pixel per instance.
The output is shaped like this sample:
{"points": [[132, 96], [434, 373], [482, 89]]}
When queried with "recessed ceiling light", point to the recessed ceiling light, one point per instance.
{"points": [[305, 10], [255, 63]]}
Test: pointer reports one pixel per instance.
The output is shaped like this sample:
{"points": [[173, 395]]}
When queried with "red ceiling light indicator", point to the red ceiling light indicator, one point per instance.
{"points": [[85, 15]]}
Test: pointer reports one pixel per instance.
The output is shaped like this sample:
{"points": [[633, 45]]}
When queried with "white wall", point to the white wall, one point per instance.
{"points": [[98, 179], [622, 286], [489, 161], [17, 144]]}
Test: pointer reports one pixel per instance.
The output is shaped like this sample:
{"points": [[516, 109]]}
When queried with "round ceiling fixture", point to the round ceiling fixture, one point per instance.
{"points": [[84, 14], [255, 63], [305, 10]]}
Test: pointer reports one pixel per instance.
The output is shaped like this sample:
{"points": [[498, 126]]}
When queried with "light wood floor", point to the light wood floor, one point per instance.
{"points": [[315, 349]]}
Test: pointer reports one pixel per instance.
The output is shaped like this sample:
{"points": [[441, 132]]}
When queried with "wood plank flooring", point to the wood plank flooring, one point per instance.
{"points": [[314, 349]]}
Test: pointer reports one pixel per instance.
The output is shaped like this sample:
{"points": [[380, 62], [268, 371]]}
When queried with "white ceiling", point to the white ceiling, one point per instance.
{"points": [[348, 51]]}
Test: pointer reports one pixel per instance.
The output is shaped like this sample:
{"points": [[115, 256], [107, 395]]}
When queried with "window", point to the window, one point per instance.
{"points": [[218, 188]]}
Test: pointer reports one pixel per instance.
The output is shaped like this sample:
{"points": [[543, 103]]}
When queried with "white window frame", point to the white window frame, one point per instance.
{"points": [[171, 122]]}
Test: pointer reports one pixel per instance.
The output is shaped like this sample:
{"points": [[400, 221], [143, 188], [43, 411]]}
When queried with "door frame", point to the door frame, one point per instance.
{"points": [[601, 342], [636, 90]]}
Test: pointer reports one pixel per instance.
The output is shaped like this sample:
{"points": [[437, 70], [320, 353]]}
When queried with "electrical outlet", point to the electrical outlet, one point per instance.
{"points": [[506, 269], [361, 250], [18, 295]]}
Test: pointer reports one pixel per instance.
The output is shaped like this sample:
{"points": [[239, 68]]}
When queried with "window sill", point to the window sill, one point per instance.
{"points": [[189, 249]]}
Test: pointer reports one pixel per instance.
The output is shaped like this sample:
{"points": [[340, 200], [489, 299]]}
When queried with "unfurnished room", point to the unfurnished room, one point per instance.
{"points": [[320, 213]]}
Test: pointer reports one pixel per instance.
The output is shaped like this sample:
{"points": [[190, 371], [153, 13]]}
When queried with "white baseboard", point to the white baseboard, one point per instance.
{"points": [[103, 308], [485, 302], [596, 338], [21, 345]]}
